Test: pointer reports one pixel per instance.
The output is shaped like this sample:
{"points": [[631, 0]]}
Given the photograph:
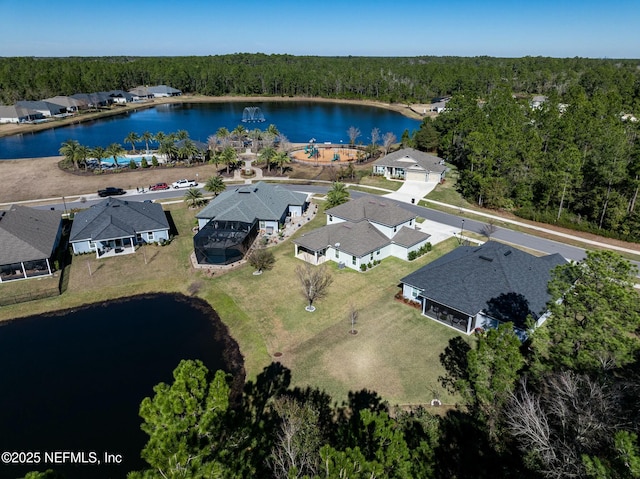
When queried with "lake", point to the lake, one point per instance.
{"points": [[298, 121], [74, 380]]}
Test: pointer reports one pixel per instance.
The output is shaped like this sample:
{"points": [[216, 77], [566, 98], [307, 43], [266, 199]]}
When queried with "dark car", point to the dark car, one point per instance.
{"points": [[111, 191], [158, 187]]}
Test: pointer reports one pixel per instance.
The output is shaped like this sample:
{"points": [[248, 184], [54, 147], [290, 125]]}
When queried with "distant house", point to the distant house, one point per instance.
{"points": [[480, 286], [439, 104], [28, 240], [113, 227], [537, 101], [120, 96], [158, 91], [17, 114], [46, 108], [412, 165], [231, 222], [93, 100], [70, 105], [361, 231]]}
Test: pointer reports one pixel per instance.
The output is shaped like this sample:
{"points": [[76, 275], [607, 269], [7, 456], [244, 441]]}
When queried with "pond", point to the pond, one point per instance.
{"points": [[74, 380], [298, 121]]}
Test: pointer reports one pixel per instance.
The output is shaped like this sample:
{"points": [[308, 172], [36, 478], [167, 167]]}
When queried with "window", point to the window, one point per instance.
{"points": [[353, 260], [92, 245], [337, 254], [378, 252], [395, 228], [150, 235], [330, 217]]}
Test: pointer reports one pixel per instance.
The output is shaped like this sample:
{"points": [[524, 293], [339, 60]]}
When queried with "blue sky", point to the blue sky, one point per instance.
{"points": [[498, 28]]}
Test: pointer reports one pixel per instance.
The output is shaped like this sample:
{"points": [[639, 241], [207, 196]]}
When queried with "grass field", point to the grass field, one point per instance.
{"points": [[395, 351]]}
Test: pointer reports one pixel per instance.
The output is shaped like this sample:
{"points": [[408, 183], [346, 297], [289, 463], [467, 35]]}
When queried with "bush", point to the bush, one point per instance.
{"points": [[363, 267], [132, 165], [154, 160], [144, 163]]}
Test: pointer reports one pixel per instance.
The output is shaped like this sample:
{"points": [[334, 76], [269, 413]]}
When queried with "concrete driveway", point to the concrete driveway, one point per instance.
{"points": [[412, 191]]}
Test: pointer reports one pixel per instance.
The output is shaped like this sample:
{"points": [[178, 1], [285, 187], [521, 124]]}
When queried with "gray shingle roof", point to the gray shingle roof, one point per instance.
{"points": [[469, 276], [27, 234], [408, 237], [114, 218], [414, 159], [262, 201], [372, 208], [356, 239]]}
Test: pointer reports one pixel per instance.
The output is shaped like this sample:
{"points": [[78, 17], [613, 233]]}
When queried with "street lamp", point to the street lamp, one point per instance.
{"points": [[461, 231]]}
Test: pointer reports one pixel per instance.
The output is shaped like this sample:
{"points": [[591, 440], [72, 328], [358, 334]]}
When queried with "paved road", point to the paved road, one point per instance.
{"points": [[448, 219]]}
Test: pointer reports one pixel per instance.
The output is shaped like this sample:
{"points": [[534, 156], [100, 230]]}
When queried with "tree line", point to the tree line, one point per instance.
{"points": [[388, 79], [574, 161]]}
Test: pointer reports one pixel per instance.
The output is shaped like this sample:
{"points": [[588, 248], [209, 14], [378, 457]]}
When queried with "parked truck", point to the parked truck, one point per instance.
{"points": [[184, 183]]}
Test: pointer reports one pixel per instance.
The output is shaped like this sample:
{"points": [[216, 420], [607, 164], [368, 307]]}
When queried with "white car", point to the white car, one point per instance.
{"points": [[184, 183]]}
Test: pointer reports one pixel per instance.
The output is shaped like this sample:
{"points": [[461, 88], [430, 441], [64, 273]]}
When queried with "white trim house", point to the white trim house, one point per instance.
{"points": [[411, 165], [361, 231], [113, 227]]}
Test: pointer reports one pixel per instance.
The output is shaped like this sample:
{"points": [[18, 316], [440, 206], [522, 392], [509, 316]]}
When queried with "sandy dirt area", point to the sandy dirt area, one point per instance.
{"points": [[41, 178], [325, 155]]}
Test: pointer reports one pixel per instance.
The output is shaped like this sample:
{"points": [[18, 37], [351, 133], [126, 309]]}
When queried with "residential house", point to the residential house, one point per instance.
{"points": [[70, 105], [360, 232], [158, 91], [28, 240], [113, 227], [46, 108], [231, 222], [477, 287], [17, 114], [537, 101], [411, 165]]}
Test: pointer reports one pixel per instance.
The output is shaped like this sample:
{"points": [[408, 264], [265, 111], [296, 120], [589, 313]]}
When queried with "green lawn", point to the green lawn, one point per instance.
{"points": [[395, 352]]}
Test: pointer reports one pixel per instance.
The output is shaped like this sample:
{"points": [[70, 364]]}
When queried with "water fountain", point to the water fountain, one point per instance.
{"points": [[252, 114]]}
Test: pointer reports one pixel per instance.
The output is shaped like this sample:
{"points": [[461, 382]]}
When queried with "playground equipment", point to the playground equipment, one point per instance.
{"points": [[336, 157], [311, 150]]}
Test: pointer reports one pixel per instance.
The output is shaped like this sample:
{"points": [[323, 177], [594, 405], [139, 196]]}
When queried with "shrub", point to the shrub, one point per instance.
{"points": [[369, 266], [154, 160], [132, 165], [144, 163], [363, 267]]}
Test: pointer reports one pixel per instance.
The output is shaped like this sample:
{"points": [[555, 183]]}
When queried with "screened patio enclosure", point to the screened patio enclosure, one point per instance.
{"points": [[222, 242]]}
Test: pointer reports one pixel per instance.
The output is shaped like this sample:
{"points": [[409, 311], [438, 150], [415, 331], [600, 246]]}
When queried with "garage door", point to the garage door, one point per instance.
{"points": [[415, 176]]}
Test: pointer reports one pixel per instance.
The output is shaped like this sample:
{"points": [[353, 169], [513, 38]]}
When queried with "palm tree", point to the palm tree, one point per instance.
{"points": [[193, 197], [146, 137], [256, 136], [336, 195], [114, 150], [215, 185], [229, 157], [169, 149], [69, 150], [132, 138], [223, 137], [187, 150], [281, 159], [182, 134], [160, 137], [82, 154], [238, 134], [99, 154], [267, 154]]}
